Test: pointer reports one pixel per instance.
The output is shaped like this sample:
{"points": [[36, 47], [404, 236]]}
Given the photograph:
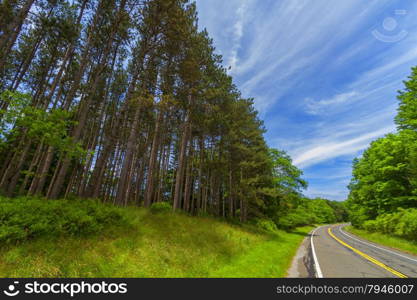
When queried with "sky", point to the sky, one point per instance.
{"points": [[324, 74]]}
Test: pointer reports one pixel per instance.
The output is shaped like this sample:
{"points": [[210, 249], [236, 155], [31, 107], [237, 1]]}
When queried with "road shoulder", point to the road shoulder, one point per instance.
{"points": [[302, 265], [391, 243]]}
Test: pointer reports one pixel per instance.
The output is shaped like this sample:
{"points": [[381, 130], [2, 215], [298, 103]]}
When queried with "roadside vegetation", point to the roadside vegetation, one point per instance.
{"points": [[313, 211], [383, 191], [388, 240], [128, 103], [60, 238], [23, 219]]}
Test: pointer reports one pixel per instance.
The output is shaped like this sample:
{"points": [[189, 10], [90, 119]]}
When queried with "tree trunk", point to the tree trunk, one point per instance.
{"points": [[39, 183], [149, 192], [231, 202], [181, 163], [127, 162], [35, 161], [188, 179], [11, 33], [15, 178]]}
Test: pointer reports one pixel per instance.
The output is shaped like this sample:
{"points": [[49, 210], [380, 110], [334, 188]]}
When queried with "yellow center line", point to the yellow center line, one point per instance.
{"points": [[366, 256]]}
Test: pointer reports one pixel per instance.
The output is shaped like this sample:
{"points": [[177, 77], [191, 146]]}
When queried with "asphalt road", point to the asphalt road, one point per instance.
{"points": [[336, 253]]}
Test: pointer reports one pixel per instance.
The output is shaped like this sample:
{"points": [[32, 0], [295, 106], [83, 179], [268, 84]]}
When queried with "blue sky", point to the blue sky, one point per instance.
{"points": [[324, 74]]}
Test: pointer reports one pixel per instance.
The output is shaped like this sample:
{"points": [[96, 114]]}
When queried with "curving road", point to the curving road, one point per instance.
{"points": [[336, 253]]}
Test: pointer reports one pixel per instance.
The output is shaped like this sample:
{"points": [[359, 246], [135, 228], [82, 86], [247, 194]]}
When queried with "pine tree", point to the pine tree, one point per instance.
{"points": [[127, 101]]}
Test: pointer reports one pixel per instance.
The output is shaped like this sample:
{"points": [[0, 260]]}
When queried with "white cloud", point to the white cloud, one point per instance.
{"points": [[237, 35], [278, 50], [392, 68], [320, 152], [318, 107], [293, 36]]}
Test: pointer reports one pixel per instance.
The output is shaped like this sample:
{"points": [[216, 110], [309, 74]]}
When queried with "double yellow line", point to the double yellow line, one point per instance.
{"points": [[366, 256]]}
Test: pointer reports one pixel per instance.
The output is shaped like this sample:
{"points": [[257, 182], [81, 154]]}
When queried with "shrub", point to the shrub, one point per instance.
{"points": [[310, 212], [266, 224], [402, 223], [161, 207], [358, 216], [27, 218], [370, 226], [295, 219]]}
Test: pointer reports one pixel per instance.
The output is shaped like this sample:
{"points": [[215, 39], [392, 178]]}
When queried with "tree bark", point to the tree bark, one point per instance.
{"points": [[12, 31], [149, 192], [181, 162]]}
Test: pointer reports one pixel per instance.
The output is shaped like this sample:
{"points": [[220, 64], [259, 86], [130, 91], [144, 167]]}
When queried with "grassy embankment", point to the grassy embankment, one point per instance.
{"points": [[384, 239], [145, 244]]}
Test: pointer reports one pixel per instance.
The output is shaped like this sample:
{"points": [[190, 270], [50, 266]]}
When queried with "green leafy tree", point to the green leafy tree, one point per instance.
{"points": [[130, 103], [407, 110], [385, 177], [14, 105]]}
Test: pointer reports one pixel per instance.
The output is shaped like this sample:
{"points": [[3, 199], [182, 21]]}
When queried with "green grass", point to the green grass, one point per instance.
{"points": [[156, 245], [384, 239], [271, 258]]}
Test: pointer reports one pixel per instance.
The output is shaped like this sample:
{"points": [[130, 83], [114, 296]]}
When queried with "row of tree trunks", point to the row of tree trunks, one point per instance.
{"points": [[149, 113], [11, 32]]}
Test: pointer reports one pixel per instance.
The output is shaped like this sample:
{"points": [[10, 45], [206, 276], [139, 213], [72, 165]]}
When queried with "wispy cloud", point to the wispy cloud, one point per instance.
{"points": [[325, 151], [325, 86], [318, 107], [238, 28]]}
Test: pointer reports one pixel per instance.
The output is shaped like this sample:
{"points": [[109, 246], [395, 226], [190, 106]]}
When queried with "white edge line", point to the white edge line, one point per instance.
{"points": [[319, 274], [386, 250]]}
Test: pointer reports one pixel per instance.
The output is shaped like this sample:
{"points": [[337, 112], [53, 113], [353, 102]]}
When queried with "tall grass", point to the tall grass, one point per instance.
{"points": [[154, 244]]}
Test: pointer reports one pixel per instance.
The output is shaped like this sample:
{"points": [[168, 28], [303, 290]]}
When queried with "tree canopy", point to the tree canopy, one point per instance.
{"points": [[385, 177], [127, 101]]}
